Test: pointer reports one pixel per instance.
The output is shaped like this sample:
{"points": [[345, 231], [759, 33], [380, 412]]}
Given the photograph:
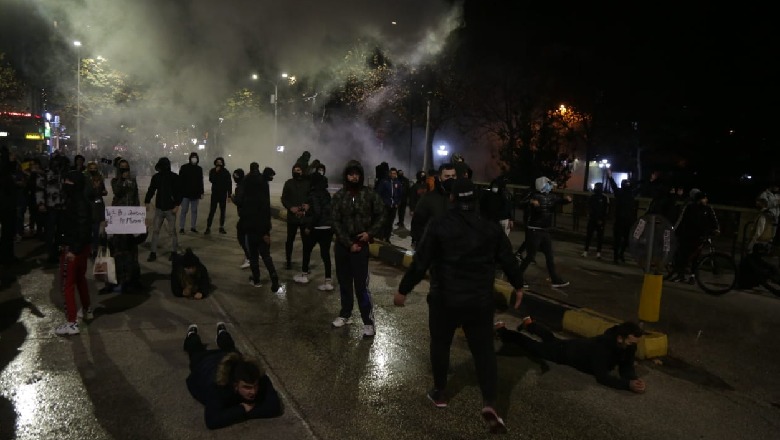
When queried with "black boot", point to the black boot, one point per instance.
{"points": [[274, 282]]}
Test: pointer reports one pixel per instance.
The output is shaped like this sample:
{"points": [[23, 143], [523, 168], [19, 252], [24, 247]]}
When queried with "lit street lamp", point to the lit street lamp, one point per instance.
{"points": [[275, 100], [78, 96]]}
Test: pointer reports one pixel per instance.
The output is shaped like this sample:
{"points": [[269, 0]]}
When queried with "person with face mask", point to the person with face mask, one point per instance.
{"points": [[75, 226], [358, 213], [51, 200], [294, 197], [433, 203], [221, 190], [541, 205], [625, 215], [191, 181], [165, 188]]}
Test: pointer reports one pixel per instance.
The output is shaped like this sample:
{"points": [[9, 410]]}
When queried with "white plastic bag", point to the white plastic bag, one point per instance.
{"points": [[104, 268]]}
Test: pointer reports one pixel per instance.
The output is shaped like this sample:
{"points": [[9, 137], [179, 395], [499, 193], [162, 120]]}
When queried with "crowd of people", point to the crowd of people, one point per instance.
{"points": [[63, 204]]}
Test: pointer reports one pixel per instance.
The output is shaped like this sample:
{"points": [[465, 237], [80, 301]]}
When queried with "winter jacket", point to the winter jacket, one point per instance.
{"points": [[625, 201], [356, 210], [541, 216], [391, 192], [294, 194], [462, 251], [222, 403], [191, 179], [320, 211], [254, 204], [165, 184], [200, 280], [432, 205], [416, 192], [76, 223], [221, 183], [125, 192]]}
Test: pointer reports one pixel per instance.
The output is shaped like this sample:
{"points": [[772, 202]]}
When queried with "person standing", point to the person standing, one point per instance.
{"points": [[770, 195], [96, 190], [625, 215], [541, 206], [416, 191], [238, 177], [51, 200], [221, 190], [294, 195], [191, 182], [76, 229], [433, 203], [165, 186], [319, 231], [696, 222], [232, 387], [8, 196], [253, 200], [463, 252], [391, 193], [357, 218], [598, 208], [405, 187], [496, 206]]}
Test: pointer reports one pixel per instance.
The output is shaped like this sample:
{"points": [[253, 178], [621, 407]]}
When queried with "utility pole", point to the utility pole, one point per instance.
{"points": [[427, 157]]}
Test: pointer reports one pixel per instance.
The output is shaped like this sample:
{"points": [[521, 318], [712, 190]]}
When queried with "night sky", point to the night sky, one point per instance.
{"points": [[703, 74]]}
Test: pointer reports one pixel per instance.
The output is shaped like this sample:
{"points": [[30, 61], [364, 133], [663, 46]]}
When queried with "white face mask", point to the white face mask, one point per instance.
{"points": [[193, 160]]}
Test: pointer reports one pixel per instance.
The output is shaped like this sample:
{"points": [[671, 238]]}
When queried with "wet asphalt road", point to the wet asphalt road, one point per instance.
{"points": [[123, 377]]}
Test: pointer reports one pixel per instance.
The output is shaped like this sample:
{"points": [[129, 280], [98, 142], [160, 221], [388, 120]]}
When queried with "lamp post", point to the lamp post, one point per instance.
{"points": [[275, 100], [78, 96]]}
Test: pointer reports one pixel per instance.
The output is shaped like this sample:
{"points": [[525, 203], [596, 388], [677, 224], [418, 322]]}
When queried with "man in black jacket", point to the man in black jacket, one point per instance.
{"points": [[462, 251], [191, 178], [433, 203], [598, 356], [598, 208], [541, 206], [625, 215], [76, 234], [221, 190], [231, 387], [165, 185], [253, 200]]}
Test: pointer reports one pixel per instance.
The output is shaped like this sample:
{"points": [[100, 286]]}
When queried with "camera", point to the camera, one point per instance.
{"points": [[106, 161]]}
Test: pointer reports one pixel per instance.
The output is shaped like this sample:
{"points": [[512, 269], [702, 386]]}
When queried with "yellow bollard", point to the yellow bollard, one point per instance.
{"points": [[650, 300]]}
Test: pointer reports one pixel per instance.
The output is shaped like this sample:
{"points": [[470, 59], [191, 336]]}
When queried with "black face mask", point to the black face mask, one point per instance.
{"points": [[446, 186], [297, 175]]}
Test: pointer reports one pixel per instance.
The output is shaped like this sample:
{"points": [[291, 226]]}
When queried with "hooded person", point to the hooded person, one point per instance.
{"points": [[74, 242], [495, 204], [598, 208], [294, 195], [319, 230], [625, 215], [541, 205], [433, 203], [191, 181], [189, 276], [238, 177], [221, 190], [462, 251], [165, 189], [50, 200], [358, 213]]}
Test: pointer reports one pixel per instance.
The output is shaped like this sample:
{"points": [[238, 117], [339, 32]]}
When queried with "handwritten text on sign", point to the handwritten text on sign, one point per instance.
{"points": [[125, 219]]}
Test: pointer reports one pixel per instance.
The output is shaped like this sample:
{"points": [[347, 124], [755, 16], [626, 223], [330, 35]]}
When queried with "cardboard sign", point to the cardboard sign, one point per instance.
{"points": [[125, 219]]}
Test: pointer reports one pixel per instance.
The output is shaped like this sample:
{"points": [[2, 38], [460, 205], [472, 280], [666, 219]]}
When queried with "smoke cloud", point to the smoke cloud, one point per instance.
{"points": [[192, 53]]}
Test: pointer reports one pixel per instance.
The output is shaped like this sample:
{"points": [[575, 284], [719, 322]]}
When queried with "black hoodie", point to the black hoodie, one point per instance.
{"points": [[191, 178], [165, 183], [76, 224]]}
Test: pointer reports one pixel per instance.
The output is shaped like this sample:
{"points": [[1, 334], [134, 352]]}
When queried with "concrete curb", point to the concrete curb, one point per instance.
{"points": [[562, 316]]}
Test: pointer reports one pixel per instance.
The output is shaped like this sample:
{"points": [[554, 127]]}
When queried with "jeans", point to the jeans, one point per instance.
{"points": [[186, 204], [170, 218]]}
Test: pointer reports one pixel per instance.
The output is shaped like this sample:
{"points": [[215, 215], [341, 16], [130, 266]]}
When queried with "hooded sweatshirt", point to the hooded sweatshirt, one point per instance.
{"points": [[294, 194], [191, 178], [356, 208], [76, 224], [165, 184]]}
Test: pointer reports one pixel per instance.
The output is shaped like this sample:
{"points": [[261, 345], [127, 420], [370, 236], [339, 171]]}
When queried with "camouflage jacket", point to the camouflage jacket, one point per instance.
{"points": [[354, 213]]}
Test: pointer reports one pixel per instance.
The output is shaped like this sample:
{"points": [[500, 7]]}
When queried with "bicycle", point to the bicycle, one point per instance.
{"points": [[715, 272]]}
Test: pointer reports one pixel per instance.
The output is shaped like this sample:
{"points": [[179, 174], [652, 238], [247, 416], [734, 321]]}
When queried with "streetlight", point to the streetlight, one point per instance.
{"points": [[274, 99], [78, 96]]}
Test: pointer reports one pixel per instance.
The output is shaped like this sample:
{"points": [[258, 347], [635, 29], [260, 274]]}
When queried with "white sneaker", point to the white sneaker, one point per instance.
{"points": [[302, 278], [368, 331], [584, 254], [341, 322], [86, 314], [245, 264], [327, 285], [69, 328]]}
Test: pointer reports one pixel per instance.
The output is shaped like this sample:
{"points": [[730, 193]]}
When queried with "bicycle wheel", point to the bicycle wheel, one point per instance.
{"points": [[716, 273]]}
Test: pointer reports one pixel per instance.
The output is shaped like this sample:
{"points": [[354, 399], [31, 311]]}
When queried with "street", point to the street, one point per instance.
{"points": [[123, 376]]}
